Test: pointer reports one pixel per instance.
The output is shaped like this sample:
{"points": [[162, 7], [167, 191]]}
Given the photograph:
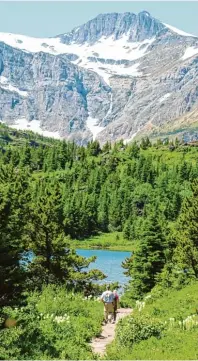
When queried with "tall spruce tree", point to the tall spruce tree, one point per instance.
{"points": [[186, 252], [53, 260], [149, 259], [13, 197]]}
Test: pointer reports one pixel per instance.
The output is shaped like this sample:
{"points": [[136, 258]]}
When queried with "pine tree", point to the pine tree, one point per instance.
{"points": [[149, 259], [53, 260], [25, 158], [13, 196], [186, 253]]}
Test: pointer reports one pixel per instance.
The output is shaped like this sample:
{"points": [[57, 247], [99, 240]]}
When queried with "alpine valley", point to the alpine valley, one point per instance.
{"points": [[119, 76]]}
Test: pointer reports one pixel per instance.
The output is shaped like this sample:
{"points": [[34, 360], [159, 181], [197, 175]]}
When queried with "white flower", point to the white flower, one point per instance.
{"points": [[140, 305], [147, 297]]}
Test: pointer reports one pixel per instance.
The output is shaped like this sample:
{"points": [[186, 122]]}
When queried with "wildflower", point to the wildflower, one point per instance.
{"points": [[172, 320], [140, 305], [147, 297]]}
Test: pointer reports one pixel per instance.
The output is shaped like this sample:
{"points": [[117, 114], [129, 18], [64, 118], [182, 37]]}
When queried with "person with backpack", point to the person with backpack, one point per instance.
{"points": [[108, 300]]}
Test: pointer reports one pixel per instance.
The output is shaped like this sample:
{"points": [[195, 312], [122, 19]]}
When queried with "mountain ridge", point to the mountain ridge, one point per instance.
{"points": [[120, 72]]}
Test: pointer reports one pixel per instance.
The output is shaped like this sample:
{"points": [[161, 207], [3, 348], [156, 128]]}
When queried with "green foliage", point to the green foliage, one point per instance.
{"points": [[13, 197], [114, 241], [53, 325], [165, 327], [135, 329], [177, 345], [54, 195], [148, 260], [186, 252]]}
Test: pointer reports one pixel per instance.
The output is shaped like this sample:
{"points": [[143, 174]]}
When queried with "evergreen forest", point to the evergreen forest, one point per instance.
{"points": [[55, 195]]}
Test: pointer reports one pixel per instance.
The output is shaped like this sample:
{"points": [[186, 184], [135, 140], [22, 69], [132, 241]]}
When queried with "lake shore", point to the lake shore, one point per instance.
{"points": [[105, 241]]}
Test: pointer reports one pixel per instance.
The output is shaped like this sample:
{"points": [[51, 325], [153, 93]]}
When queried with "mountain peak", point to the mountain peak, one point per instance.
{"points": [[144, 12], [138, 27]]}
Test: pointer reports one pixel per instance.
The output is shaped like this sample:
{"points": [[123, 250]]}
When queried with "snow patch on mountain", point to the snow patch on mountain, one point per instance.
{"points": [[190, 51], [93, 127], [34, 125], [109, 48], [164, 97], [4, 84], [178, 31], [105, 47], [109, 70], [33, 45]]}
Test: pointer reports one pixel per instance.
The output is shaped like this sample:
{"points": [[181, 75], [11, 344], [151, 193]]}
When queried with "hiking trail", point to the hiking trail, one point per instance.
{"points": [[99, 344]]}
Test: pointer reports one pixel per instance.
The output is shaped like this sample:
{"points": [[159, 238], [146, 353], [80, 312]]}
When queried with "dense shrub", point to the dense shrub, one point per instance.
{"points": [[164, 326], [53, 325], [135, 329]]}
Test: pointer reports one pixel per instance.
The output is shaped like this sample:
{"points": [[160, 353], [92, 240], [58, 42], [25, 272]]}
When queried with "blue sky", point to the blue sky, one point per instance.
{"points": [[49, 18]]}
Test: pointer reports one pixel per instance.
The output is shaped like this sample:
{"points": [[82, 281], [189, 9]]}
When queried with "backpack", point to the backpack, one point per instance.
{"points": [[108, 297]]}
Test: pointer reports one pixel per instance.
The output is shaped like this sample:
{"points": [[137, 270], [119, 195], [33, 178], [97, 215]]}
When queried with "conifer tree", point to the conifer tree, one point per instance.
{"points": [[148, 261], [186, 253], [13, 196], [53, 260]]}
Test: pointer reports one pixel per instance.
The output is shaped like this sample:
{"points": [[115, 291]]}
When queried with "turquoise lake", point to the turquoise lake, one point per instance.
{"points": [[109, 262]]}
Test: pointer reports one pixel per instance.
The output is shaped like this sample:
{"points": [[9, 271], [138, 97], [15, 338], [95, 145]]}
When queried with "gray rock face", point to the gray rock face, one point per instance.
{"points": [[65, 95], [139, 27], [154, 102], [59, 93]]}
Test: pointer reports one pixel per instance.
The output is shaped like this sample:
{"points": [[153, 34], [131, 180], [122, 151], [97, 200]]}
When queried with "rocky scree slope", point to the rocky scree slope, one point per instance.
{"points": [[117, 76]]}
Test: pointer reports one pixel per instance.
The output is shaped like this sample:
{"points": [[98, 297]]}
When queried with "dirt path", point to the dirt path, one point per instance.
{"points": [[108, 332]]}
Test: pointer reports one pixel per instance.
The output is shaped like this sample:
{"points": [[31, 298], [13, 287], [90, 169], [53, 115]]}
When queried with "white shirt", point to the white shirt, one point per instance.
{"points": [[108, 297]]}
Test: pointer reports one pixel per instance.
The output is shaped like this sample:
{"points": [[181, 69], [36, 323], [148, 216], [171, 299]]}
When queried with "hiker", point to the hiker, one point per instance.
{"points": [[115, 305], [108, 300]]}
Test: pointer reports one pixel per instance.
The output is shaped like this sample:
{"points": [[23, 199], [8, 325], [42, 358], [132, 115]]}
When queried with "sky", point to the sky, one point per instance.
{"points": [[49, 18]]}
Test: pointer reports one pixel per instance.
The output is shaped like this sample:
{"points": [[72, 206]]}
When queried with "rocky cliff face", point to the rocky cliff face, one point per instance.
{"points": [[137, 27], [52, 90], [114, 77]]}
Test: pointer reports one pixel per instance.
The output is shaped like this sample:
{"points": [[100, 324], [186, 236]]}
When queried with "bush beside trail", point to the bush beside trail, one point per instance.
{"points": [[164, 328], [53, 325]]}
